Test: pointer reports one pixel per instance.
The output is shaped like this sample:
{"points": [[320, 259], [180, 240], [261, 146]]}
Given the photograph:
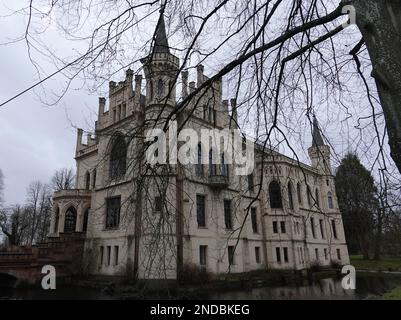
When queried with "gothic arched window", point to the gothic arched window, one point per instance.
{"points": [[275, 195], [160, 88], [290, 196], [94, 179], [212, 166], [87, 180], [330, 200], [299, 193], [70, 220], [317, 198], [224, 166], [199, 165], [309, 196], [118, 158]]}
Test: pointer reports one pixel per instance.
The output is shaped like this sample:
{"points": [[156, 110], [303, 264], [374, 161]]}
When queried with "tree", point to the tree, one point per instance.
{"points": [[356, 192], [63, 179], [14, 225], [38, 210]]}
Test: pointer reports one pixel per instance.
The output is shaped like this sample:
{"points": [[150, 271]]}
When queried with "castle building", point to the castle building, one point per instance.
{"points": [[155, 221]]}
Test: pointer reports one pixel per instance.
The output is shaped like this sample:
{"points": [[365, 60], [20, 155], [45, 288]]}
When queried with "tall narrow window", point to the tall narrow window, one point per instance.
{"points": [[278, 254], [325, 254], [116, 249], [210, 114], [251, 186], [224, 166], [321, 228], [108, 255], [338, 254], [160, 88], [118, 158], [200, 211], [212, 166], [254, 220], [87, 180], [312, 224], [282, 226], [317, 253], [199, 165], [124, 110], [70, 220], [333, 226], [285, 253], [231, 260], [113, 207], [290, 197], [257, 254], [275, 229], [85, 224], [203, 255], [94, 179], [309, 196], [158, 204], [275, 195], [299, 193], [227, 214], [101, 255], [317, 198], [330, 200]]}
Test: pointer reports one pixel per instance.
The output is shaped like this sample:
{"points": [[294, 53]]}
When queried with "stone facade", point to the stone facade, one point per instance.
{"points": [[148, 222]]}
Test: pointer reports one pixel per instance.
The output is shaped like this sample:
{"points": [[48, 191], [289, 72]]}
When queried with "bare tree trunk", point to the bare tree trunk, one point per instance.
{"points": [[380, 24]]}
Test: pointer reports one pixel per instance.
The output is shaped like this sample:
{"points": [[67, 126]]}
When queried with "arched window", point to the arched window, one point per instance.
{"points": [[275, 195], [309, 196], [330, 200], [317, 198], [56, 219], [299, 193], [118, 158], [94, 179], [224, 166], [87, 180], [199, 165], [212, 166], [70, 220], [85, 224], [290, 197], [160, 87]]}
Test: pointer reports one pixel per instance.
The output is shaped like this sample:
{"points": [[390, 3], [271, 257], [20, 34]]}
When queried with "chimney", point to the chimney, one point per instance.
{"points": [[234, 113], [138, 84], [79, 139], [199, 70], [191, 86], [184, 76], [102, 103], [128, 78]]}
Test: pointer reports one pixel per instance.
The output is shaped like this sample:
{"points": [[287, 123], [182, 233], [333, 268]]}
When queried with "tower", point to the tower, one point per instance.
{"points": [[161, 68], [319, 152]]}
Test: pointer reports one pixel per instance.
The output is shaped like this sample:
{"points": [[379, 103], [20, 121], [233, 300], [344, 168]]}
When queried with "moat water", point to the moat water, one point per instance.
{"points": [[366, 286]]}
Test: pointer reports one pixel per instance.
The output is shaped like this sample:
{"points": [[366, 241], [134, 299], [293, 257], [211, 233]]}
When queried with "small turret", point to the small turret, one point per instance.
{"points": [[319, 152]]}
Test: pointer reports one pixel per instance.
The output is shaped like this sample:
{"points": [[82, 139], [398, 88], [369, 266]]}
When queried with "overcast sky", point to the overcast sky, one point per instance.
{"points": [[37, 139]]}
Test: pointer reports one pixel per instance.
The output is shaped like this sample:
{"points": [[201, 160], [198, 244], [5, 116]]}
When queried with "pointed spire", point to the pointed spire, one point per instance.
{"points": [[317, 139], [161, 43]]}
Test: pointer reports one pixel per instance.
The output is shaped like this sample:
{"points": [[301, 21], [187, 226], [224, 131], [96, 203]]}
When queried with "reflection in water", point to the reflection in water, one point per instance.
{"points": [[323, 289]]}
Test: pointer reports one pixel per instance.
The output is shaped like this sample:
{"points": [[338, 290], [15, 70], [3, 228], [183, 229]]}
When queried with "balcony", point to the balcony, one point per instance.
{"points": [[218, 181]]}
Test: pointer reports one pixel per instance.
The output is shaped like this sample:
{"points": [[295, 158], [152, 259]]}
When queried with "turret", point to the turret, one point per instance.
{"points": [[319, 152], [161, 68]]}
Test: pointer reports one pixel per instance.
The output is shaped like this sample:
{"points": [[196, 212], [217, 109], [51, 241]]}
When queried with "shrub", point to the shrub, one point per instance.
{"points": [[194, 274]]}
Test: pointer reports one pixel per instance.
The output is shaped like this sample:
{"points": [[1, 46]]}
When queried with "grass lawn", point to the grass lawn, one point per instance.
{"points": [[385, 264], [394, 294]]}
